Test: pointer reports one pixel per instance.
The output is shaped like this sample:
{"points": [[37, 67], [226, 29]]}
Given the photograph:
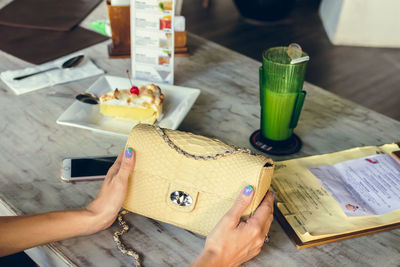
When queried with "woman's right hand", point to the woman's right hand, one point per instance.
{"points": [[233, 242]]}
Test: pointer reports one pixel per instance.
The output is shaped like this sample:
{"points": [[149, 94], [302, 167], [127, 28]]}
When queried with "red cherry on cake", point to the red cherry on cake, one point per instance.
{"points": [[134, 90]]}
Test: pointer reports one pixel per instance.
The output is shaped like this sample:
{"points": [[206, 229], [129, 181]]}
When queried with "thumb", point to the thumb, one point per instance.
{"points": [[241, 204], [127, 164]]}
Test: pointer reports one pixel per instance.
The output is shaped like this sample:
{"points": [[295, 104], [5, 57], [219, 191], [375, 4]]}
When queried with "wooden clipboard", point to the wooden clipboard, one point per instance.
{"points": [[339, 237], [300, 245]]}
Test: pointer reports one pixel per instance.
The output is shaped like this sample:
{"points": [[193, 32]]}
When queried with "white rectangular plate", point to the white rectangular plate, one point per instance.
{"points": [[178, 101]]}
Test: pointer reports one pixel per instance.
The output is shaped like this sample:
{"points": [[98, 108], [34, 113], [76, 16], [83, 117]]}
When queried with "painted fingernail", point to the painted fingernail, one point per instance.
{"points": [[273, 195], [247, 190], [128, 152]]}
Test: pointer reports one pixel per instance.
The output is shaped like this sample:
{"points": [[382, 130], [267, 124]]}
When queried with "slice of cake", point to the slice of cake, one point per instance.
{"points": [[142, 104]]}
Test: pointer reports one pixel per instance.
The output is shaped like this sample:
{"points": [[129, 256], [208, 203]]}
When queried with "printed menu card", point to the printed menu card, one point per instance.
{"points": [[152, 40]]}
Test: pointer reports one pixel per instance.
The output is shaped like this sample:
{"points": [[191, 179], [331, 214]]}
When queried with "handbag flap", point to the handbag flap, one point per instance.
{"points": [[196, 144]]}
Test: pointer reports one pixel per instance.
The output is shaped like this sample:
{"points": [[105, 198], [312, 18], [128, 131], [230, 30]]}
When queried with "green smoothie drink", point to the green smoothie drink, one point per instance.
{"points": [[277, 111], [281, 91]]}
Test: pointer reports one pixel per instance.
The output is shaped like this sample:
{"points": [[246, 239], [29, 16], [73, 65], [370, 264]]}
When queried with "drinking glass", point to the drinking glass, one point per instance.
{"points": [[281, 93]]}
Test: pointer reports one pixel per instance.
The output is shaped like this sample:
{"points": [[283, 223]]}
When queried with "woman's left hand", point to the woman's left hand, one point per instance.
{"points": [[104, 209]]}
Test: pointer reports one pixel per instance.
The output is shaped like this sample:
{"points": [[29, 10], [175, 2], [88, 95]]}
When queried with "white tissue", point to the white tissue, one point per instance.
{"points": [[84, 70], [120, 2], [179, 24]]}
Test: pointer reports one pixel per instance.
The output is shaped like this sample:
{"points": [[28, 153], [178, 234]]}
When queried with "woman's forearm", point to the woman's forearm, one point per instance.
{"points": [[18, 233], [22, 232]]}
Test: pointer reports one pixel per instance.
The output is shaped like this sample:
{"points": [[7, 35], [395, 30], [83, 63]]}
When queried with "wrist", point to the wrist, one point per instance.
{"points": [[208, 257], [91, 221]]}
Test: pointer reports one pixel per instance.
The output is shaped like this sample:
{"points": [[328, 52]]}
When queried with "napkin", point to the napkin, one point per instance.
{"points": [[56, 15], [39, 46], [84, 70]]}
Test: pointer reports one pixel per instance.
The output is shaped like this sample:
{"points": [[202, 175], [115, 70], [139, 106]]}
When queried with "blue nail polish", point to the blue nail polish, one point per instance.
{"points": [[128, 152], [247, 190], [273, 195]]}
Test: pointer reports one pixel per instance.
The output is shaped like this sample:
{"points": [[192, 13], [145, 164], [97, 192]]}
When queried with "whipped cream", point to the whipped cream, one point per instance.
{"points": [[150, 96]]}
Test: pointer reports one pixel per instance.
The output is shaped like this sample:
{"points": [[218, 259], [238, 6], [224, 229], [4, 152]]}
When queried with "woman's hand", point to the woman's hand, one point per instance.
{"points": [[22, 232], [233, 242], [104, 209]]}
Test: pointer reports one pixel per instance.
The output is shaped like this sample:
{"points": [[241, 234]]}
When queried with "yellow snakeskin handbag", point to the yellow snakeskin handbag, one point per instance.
{"points": [[191, 181]]}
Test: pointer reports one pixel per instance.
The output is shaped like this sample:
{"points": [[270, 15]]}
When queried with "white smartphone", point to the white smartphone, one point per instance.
{"points": [[83, 169]]}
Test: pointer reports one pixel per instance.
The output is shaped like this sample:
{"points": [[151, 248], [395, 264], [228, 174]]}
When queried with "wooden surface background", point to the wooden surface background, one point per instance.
{"points": [[365, 75], [32, 146]]}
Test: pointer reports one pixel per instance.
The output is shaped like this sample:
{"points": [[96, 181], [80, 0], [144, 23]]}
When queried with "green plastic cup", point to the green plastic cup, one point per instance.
{"points": [[281, 93]]}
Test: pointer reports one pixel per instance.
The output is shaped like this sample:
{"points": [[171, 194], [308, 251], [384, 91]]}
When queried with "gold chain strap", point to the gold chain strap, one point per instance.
{"points": [[117, 238], [236, 150], [125, 228]]}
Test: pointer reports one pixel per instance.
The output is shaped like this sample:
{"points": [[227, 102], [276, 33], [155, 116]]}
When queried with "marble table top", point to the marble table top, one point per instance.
{"points": [[32, 146]]}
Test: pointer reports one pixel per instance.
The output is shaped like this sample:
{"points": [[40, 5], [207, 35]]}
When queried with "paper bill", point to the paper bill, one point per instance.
{"points": [[362, 187]]}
